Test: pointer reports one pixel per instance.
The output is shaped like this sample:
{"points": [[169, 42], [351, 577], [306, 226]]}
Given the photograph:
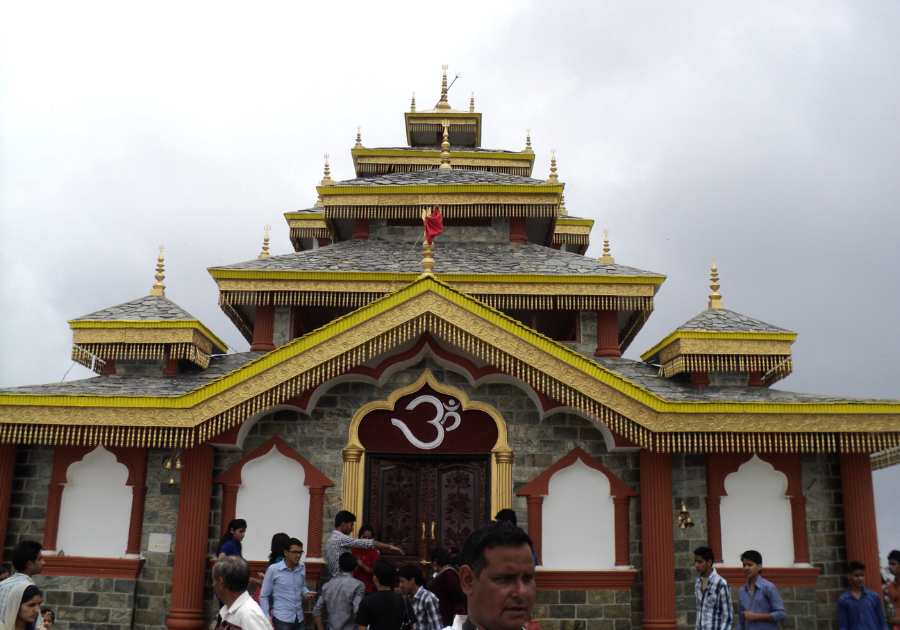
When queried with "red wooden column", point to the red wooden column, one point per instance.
{"points": [[859, 515], [264, 328], [361, 230], [536, 524], [623, 527], [191, 539], [136, 525], [171, 368], [714, 522], [7, 466], [798, 528], [316, 516], [607, 334], [658, 541], [51, 523], [517, 232], [229, 506]]}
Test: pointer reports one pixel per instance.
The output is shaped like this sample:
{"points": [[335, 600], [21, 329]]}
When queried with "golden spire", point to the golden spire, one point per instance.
{"points": [[327, 181], [715, 298], [528, 148], [443, 104], [265, 250], [562, 206], [606, 258], [358, 138], [472, 104], [445, 145], [158, 287], [412, 108], [319, 202], [427, 248], [553, 178]]}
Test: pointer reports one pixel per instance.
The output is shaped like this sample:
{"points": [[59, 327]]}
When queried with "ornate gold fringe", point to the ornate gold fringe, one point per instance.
{"points": [[138, 352], [766, 364], [88, 360], [574, 239], [376, 168], [309, 233], [450, 211], [438, 128]]}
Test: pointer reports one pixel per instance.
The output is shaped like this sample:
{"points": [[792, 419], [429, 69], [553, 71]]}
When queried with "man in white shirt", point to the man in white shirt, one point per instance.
{"points": [[231, 576]]}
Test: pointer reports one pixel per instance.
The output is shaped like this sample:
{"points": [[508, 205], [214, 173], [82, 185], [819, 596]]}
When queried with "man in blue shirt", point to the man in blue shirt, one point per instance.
{"points": [[759, 603], [284, 589], [858, 607]]}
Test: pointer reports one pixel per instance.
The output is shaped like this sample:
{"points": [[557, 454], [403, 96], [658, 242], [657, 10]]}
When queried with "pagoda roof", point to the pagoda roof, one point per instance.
{"points": [[147, 308], [374, 256], [442, 177], [723, 320]]}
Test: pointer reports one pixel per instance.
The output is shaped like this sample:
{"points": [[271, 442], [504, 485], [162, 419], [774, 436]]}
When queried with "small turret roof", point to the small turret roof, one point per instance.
{"points": [[723, 320]]}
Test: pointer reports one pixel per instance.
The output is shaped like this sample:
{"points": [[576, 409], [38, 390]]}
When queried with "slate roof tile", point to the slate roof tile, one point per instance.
{"points": [[722, 320], [441, 177], [147, 308]]}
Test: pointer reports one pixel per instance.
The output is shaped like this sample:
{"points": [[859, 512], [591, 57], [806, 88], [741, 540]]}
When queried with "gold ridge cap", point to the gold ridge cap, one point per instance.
{"points": [[219, 273]]}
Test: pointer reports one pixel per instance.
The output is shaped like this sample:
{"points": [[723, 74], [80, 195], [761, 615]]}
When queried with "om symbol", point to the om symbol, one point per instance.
{"points": [[443, 413]]}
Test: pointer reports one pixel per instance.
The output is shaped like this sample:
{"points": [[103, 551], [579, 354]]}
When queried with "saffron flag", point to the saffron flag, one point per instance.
{"points": [[434, 224]]}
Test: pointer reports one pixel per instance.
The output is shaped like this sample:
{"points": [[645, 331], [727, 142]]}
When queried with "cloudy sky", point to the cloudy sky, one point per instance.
{"points": [[763, 133]]}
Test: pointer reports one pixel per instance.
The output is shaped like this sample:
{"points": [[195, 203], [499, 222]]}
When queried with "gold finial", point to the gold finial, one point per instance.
{"points": [[445, 145], [528, 148], [606, 258], [158, 287], [427, 248], [412, 108], [443, 104], [472, 104], [562, 206], [327, 181], [265, 250], [319, 202], [715, 298], [553, 178], [358, 138]]}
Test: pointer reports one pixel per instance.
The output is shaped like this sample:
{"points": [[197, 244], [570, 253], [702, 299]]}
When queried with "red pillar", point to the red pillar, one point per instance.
{"points": [[191, 539], [536, 524], [109, 367], [7, 466], [136, 526], [607, 334], [171, 368], [229, 506], [755, 380], [51, 523], [657, 540], [623, 538], [859, 515], [361, 231], [798, 526], [700, 379], [316, 516], [714, 522], [323, 242], [263, 328], [517, 233]]}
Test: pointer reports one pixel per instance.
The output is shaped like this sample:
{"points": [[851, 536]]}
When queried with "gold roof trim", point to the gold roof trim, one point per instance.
{"points": [[337, 194], [718, 336], [132, 327]]}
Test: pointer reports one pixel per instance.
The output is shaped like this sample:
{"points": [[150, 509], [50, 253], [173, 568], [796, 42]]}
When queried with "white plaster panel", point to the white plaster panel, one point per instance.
{"points": [[578, 521], [272, 499], [95, 512], [756, 514]]}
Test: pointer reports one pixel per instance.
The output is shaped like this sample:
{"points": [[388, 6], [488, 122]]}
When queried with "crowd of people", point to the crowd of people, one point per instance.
{"points": [[488, 585]]}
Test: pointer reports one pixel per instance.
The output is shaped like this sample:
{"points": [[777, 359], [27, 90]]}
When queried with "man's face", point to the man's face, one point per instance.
{"points": [[407, 587], [292, 556], [502, 596], [701, 565], [751, 569], [345, 528], [33, 568], [893, 567], [857, 579]]}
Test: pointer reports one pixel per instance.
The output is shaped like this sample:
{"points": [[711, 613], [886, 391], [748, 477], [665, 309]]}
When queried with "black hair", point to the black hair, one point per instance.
{"points": [[343, 517], [31, 591], [507, 515], [488, 536], [47, 611], [854, 566], [347, 562], [280, 542], [412, 572], [706, 553], [385, 571], [237, 523], [25, 552], [894, 555], [366, 528], [448, 557], [753, 556], [294, 541], [234, 573]]}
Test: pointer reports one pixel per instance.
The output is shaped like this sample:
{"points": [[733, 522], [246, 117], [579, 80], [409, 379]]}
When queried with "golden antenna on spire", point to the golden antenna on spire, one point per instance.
{"points": [[265, 250], [562, 206], [472, 104], [445, 145], [412, 108], [158, 287], [528, 148], [715, 298], [358, 138], [443, 104], [327, 181], [553, 178], [606, 258]]}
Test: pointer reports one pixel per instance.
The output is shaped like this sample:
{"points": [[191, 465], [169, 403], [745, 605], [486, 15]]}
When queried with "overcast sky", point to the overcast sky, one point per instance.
{"points": [[763, 133]]}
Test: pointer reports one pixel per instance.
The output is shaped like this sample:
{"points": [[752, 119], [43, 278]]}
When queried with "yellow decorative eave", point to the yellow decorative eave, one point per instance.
{"points": [[310, 217], [437, 116], [589, 223], [194, 324], [700, 334], [436, 153]]}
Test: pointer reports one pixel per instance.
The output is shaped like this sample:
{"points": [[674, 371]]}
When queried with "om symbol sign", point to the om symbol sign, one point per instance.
{"points": [[443, 413]]}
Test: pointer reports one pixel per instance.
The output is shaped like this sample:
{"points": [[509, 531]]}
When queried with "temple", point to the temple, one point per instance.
{"points": [[426, 396]]}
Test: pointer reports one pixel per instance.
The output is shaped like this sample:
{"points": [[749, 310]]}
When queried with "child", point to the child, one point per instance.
{"points": [[858, 607], [48, 617]]}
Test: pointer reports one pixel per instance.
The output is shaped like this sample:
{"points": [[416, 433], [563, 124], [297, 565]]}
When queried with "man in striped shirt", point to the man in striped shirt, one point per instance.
{"points": [[424, 603], [713, 597]]}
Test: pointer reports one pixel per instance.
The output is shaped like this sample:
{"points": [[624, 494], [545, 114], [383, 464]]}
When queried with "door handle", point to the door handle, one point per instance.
{"points": [[432, 530], [423, 530]]}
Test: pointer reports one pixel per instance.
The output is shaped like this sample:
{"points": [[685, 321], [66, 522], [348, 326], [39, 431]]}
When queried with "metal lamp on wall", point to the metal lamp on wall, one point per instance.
{"points": [[684, 517]]}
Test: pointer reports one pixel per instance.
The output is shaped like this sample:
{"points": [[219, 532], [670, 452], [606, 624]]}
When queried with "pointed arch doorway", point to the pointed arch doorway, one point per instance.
{"points": [[426, 466]]}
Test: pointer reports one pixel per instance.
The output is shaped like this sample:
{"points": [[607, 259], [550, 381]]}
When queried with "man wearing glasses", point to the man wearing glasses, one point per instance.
{"points": [[284, 589]]}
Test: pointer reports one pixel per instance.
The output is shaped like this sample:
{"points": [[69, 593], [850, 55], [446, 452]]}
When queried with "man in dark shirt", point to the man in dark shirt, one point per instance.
{"points": [[384, 609], [858, 607]]}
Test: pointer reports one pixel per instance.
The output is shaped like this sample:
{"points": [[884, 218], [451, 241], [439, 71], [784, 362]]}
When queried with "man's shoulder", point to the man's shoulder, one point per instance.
{"points": [[845, 596]]}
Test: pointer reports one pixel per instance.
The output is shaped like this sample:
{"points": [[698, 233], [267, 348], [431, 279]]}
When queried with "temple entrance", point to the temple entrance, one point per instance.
{"points": [[419, 503]]}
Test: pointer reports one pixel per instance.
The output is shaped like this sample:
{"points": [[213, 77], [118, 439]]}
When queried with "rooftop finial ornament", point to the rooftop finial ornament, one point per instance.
{"points": [[265, 250], [433, 221], [606, 258], [528, 148], [327, 181], [562, 206], [412, 108], [445, 145], [358, 138], [553, 178], [472, 104], [715, 298], [443, 104], [158, 287]]}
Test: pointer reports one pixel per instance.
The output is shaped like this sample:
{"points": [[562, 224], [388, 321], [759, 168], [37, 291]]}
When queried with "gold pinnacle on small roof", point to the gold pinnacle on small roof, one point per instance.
{"points": [[562, 206], [445, 145], [358, 138], [327, 181], [606, 258], [443, 104], [427, 248], [265, 250], [715, 298], [158, 287], [319, 202], [528, 148], [553, 178], [412, 108], [472, 104]]}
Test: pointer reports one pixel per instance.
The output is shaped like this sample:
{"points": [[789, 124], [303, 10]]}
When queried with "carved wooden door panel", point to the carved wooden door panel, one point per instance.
{"points": [[395, 507], [460, 504]]}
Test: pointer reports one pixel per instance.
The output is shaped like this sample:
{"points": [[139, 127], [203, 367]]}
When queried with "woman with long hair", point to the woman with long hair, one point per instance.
{"points": [[22, 607], [446, 585], [230, 544], [281, 542], [365, 560]]}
